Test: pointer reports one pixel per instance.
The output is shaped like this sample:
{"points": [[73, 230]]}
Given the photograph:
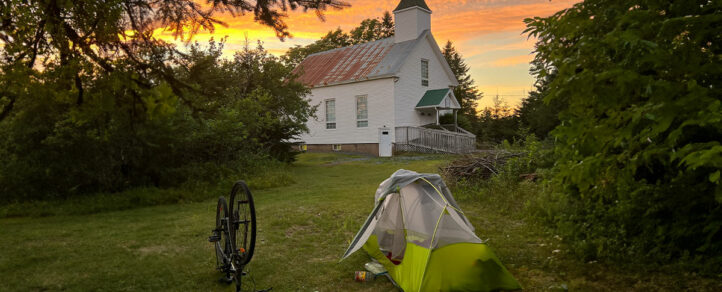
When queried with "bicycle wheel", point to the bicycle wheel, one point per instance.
{"points": [[244, 223], [223, 243]]}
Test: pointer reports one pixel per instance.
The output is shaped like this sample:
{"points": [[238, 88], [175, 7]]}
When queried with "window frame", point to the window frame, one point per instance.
{"points": [[366, 105], [330, 125], [424, 73]]}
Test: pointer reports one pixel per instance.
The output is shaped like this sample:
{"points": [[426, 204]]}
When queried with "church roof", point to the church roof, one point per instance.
{"points": [[373, 60], [411, 3], [368, 61]]}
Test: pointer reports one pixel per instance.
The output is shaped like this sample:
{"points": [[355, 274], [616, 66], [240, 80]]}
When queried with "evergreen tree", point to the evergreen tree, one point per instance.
{"points": [[537, 115], [466, 93], [387, 25], [372, 29]]}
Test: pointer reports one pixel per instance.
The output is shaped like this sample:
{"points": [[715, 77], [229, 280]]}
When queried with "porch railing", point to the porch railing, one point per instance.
{"points": [[419, 139]]}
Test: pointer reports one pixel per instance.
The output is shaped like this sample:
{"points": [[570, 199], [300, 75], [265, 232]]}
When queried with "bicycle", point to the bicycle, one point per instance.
{"points": [[233, 244]]}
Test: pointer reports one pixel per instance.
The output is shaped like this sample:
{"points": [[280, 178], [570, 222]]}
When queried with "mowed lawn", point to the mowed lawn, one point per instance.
{"points": [[303, 230]]}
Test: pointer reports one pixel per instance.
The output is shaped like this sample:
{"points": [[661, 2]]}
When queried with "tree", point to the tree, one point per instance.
{"points": [[497, 123], [120, 138], [332, 40], [370, 29], [639, 139], [535, 114], [87, 38], [466, 93], [91, 100]]}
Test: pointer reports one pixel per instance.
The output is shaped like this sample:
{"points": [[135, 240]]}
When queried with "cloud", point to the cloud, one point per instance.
{"points": [[462, 23], [488, 33]]}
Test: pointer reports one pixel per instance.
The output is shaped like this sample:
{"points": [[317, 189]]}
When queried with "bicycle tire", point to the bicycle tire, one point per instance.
{"points": [[222, 253], [244, 215]]}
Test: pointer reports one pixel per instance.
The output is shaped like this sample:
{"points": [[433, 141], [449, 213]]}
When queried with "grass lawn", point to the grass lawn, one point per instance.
{"points": [[304, 228]]}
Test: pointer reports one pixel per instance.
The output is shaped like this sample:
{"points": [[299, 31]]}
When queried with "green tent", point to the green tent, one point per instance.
{"points": [[421, 236]]}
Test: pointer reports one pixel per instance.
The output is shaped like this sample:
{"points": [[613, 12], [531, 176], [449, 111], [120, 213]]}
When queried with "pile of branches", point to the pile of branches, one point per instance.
{"points": [[482, 165]]}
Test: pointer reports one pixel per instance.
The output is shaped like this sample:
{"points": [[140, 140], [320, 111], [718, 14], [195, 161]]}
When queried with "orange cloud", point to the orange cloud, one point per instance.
{"points": [[488, 33], [463, 24]]}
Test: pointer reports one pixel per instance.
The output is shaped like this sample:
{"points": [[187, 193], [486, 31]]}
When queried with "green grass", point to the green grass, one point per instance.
{"points": [[195, 190], [304, 227]]}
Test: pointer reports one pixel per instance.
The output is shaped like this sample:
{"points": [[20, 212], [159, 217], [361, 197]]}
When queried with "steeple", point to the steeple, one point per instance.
{"points": [[411, 3], [412, 17]]}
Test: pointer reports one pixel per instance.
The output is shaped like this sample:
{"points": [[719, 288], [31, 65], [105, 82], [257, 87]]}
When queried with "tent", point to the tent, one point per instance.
{"points": [[420, 235]]}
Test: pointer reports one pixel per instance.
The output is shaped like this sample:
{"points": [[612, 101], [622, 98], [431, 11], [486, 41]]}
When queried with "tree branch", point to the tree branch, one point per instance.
{"points": [[8, 107], [75, 37], [79, 86], [36, 42]]}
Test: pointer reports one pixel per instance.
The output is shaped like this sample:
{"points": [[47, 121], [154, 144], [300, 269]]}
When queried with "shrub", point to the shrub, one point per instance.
{"points": [[237, 114], [639, 150]]}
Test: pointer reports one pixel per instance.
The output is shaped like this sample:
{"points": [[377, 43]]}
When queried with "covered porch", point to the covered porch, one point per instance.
{"points": [[438, 102], [436, 137]]}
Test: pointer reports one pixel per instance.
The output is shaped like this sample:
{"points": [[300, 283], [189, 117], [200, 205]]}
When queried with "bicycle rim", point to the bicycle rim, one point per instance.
{"points": [[244, 218], [222, 246]]}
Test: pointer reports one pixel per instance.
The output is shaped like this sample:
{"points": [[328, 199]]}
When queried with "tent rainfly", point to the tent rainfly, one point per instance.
{"points": [[420, 235]]}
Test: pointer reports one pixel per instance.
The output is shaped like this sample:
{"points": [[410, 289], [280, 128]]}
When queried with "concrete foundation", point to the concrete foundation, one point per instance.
{"points": [[363, 148]]}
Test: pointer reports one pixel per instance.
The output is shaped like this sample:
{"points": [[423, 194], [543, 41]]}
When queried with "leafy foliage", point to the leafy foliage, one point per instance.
{"points": [[121, 137], [87, 38], [639, 141], [92, 100]]}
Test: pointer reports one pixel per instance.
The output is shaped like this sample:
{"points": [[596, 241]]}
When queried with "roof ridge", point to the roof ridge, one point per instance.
{"points": [[407, 46], [348, 47], [412, 3]]}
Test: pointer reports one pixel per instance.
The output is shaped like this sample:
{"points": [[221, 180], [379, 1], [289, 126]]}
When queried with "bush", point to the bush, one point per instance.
{"points": [[236, 116], [638, 173], [535, 156]]}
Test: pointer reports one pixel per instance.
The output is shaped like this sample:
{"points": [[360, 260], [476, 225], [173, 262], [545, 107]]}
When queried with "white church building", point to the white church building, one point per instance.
{"points": [[385, 95]]}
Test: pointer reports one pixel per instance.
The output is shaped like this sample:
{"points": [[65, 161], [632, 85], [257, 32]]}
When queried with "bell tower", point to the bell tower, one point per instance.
{"points": [[411, 18]]}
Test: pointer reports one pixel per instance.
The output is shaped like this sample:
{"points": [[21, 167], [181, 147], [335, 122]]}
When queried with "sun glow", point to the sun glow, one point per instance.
{"points": [[488, 33]]}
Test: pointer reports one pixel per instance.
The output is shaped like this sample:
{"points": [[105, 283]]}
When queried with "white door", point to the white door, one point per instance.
{"points": [[385, 142]]}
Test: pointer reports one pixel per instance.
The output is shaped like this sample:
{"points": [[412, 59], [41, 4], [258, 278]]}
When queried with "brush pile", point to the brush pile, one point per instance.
{"points": [[478, 166]]}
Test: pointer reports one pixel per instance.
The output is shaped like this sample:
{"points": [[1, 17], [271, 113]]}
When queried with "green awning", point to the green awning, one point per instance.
{"points": [[438, 98]]}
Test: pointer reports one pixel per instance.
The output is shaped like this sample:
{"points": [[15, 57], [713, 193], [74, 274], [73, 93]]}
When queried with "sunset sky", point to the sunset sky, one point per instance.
{"points": [[488, 33]]}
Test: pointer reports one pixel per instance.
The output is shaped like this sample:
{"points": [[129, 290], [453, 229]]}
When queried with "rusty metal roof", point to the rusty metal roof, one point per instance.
{"points": [[372, 60]]}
